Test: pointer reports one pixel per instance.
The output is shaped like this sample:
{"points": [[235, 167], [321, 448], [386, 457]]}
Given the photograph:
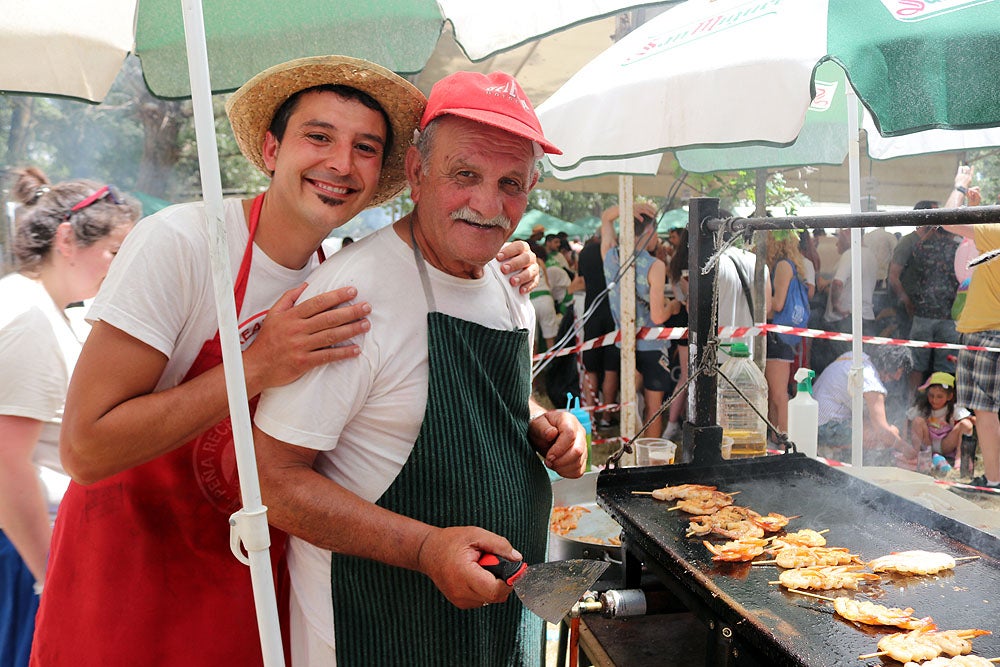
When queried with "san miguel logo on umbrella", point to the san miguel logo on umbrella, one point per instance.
{"points": [[918, 10], [736, 16]]}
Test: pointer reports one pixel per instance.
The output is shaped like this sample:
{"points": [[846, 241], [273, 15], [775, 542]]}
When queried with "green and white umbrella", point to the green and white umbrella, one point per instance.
{"points": [[75, 49], [552, 224], [730, 72]]}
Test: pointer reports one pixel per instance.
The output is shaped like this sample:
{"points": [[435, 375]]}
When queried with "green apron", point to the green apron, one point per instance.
{"points": [[471, 465]]}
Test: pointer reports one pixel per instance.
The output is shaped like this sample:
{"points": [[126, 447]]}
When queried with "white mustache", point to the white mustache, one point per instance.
{"points": [[467, 214]]}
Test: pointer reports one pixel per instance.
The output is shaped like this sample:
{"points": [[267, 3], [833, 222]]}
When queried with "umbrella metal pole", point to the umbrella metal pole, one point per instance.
{"points": [[250, 523], [702, 433], [854, 381], [628, 423], [759, 313]]}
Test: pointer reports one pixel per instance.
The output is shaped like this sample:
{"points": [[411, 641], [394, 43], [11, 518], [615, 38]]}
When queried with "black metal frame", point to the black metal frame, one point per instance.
{"points": [[702, 435]]}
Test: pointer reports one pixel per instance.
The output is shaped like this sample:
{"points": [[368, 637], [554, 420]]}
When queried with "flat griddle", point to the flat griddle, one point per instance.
{"points": [[786, 628]]}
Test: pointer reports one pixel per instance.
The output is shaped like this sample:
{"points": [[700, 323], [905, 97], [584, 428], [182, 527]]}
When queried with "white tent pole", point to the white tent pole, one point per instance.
{"points": [[855, 382], [250, 523], [629, 424]]}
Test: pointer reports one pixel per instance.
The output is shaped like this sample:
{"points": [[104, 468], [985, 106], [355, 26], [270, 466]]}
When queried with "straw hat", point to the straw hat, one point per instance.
{"points": [[251, 108]]}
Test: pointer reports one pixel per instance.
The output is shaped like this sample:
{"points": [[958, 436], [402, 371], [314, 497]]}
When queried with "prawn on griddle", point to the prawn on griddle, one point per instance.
{"points": [[957, 661], [741, 550], [919, 645], [682, 491], [793, 557], [825, 578], [870, 613]]}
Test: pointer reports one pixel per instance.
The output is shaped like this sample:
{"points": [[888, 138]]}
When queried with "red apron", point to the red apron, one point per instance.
{"points": [[140, 571]]}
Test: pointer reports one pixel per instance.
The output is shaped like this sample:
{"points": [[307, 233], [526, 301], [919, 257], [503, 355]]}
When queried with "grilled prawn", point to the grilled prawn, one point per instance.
{"points": [[705, 504], [957, 661], [825, 578], [793, 557], [919, 645], [736, 550], [800, 538], [771, 523], [870, 613], [732, 521], [682, 491]]}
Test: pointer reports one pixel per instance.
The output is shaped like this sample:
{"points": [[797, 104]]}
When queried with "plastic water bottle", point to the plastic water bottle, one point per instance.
{"points": [[924, 457], [803, 414], [737, 419], [584, 418]]}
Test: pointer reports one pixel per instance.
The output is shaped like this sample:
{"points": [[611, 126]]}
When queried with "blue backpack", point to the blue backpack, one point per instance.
{"points": [[795, 312]]}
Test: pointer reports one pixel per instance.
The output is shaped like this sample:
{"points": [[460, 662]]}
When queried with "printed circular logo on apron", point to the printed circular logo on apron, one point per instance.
{"points": [[215, 469]]}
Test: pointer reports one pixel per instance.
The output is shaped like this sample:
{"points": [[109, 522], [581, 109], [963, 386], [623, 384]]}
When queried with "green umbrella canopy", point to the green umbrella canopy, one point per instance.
{"points": [[591, 224], [552, 224], [668, 220], [672, 219], [150, 204]]}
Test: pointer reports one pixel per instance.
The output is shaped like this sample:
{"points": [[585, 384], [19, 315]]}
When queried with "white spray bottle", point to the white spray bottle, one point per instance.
{"points": [[803, 414]]}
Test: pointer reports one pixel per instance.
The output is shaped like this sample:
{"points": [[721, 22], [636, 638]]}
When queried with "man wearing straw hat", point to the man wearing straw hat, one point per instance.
{"points": [[140, 569], [396, 476]]}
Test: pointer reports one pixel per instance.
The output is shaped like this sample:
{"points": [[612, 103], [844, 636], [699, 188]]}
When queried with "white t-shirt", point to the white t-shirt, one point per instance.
{"points": [[882, 244], [364, 414], [559, 282], [868, 280], [38, 351], [831, 387], [159, 289], [829, 255], [734, 311]]}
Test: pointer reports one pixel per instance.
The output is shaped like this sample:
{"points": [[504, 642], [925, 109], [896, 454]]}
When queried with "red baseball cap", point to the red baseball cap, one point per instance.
{"points": [[494, 99]]}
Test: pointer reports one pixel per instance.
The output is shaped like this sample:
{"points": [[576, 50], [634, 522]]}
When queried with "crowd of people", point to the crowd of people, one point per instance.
{"points": [[918, 401], [397, 436]]}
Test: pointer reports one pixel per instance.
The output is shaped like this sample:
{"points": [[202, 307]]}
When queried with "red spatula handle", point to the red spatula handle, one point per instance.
{"points": [[505, 570]]}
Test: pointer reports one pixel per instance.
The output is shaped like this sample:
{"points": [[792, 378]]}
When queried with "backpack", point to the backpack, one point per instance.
{"points": [[795, 312], [562, 376]]}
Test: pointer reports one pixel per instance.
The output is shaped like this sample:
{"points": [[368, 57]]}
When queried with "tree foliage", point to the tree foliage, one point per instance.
{"points": [[133, 139]]}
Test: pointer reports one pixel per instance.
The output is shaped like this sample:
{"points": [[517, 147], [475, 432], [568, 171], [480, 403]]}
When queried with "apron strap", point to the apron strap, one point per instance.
{"points": [[425, 279]]}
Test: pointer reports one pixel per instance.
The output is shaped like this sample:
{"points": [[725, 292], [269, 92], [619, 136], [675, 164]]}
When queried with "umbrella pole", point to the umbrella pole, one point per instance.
{"points": [[629, 423], [855, 381], [249, 525]]}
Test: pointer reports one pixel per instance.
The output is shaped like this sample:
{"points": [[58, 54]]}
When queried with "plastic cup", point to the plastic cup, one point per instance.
{"points": [[654, 452]]}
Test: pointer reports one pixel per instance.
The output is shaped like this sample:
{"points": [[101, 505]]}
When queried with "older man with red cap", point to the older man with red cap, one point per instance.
{"points": [[395, 474]]}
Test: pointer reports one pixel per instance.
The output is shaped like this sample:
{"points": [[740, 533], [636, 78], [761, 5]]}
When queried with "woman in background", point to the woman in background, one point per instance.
{"points": [[787, 267], [677, 272], [65, 238]]}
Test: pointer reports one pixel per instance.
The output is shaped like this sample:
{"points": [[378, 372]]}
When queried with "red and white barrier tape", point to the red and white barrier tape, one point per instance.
{"points": [[970, 487], [674, 333]]}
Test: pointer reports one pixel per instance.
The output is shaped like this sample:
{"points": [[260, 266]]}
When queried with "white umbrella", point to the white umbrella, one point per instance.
{"points": [[75, 49], [724, 72]]}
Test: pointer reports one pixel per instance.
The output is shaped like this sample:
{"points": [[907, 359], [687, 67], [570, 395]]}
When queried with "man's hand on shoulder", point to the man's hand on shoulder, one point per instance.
{"points": [[518, 261], [295, 338], [559, 437]]}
